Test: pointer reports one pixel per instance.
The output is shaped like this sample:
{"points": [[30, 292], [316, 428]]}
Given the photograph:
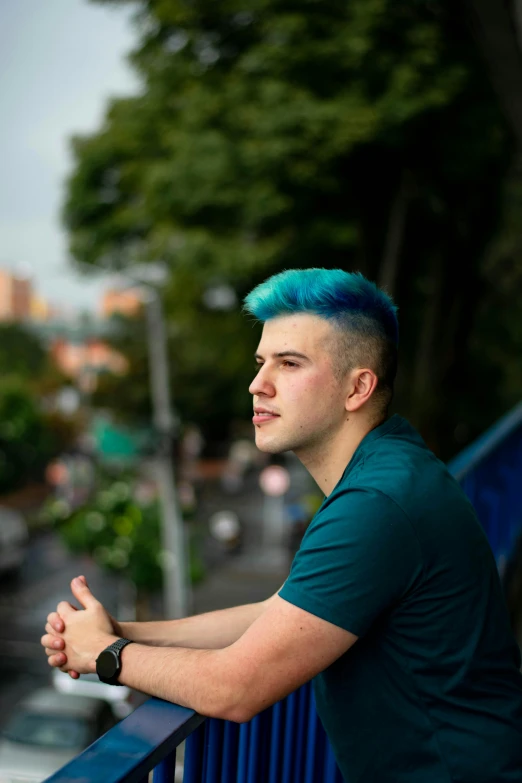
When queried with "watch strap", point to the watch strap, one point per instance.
{"points": [[119, 644], [116, 647]]}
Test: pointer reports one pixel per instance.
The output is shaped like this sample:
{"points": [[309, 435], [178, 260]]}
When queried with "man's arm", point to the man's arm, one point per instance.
{"points": [[284, 648], [209, 631], [212, 630]]}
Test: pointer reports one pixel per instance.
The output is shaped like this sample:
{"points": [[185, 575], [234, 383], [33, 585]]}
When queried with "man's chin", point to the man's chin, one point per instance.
{"points": [[270, 448]]}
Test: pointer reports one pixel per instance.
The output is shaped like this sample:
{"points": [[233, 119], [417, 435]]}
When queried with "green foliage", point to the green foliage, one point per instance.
{"points": [[210, 369], [280, 136], [26, 438], [128, 396], [29, 437], [237, 154], [21, 352], [121, 533]]}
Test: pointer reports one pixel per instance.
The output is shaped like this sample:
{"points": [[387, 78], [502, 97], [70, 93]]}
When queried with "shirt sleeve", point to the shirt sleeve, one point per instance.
{"points": [[357, 560]]}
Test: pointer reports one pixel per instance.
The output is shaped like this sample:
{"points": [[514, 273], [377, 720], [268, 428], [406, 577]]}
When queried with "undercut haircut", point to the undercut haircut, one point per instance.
{"points": [[363, 315]]}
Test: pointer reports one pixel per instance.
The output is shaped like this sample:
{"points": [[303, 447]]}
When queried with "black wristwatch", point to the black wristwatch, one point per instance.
{"points": [[108, 662]]}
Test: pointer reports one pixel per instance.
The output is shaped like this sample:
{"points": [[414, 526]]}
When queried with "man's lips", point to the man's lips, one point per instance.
{"points": [[262, 416]]}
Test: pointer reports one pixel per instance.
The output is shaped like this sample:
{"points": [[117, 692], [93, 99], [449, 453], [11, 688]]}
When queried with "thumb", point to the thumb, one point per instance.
{"points": [[81, 592]]}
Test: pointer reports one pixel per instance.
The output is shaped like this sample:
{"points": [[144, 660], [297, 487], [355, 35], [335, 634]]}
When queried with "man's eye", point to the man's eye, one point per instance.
{"points": [[286, 363]]}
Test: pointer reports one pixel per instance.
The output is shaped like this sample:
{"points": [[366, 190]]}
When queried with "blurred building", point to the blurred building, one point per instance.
{"points": [[40, 310], [122, 302], [15, 297], [83, 361]]}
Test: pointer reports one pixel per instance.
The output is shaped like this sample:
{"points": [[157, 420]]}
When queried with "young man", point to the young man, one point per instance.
{"points": [[393, 603]]}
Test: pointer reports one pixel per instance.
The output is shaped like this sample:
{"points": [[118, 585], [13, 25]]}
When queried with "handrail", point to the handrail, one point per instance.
{"points": [[472, 455], [132, 748], [489, 472]]}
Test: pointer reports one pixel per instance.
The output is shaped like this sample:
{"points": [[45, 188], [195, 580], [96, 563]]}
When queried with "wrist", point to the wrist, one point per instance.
{"points": [[101, 644], [124, 630], [109, 662]]}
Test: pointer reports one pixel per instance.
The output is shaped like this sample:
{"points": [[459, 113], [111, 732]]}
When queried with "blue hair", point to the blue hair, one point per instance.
{"points": [[346, 297]]}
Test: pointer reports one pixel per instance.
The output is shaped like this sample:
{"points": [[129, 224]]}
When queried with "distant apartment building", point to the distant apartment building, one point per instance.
{"points": [[41, 310], [121, 302], [15, 297], [84, 361]]}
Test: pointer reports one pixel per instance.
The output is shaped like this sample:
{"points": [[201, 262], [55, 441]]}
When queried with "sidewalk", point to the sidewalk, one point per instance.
{"points": [[250, 575], [242, 579]]}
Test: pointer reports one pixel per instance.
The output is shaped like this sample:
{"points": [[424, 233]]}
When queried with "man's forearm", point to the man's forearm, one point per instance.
{"points": [[210, 631], [202, 680]]}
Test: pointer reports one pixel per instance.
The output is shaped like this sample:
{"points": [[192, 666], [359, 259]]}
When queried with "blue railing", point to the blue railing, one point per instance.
{"points": [[147, 739], [490, 473], [286, 743]]}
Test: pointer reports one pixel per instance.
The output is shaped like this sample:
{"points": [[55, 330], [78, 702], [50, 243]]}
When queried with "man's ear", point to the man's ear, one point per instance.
{"points": [[362, 386]]}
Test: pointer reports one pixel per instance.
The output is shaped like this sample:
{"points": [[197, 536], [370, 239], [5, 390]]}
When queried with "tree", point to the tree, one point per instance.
{"points": [[26, 440], [21, 352], [29, 436], [119, 527], [360, 135], [127, 395]]}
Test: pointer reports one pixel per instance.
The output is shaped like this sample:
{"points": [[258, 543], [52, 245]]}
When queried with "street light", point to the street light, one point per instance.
{"points": [[146, 277], [173, 537]]}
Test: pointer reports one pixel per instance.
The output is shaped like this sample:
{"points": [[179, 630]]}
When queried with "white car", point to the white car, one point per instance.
{"points": [[48, 729], [122, 699], [14, 537]]}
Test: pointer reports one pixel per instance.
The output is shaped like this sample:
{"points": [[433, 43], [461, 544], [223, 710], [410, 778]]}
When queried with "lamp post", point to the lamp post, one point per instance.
{"points": [[147, 278], [173, 537]]}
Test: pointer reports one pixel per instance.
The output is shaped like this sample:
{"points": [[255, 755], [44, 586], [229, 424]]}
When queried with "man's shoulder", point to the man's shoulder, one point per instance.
{"points": [[395, 477], [359, 509], [400, 469]]}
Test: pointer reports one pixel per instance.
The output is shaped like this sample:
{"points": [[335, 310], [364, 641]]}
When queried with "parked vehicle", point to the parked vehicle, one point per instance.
{"points": [[123, 700], [48, 729], [14, 538]]}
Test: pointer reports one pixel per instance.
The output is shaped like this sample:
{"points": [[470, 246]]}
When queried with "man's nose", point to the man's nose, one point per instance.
{"points": [[262, 384]]}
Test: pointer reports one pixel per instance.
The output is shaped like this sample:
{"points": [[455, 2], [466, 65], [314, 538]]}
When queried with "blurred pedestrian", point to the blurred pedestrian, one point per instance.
{"points": [[393, 603]]}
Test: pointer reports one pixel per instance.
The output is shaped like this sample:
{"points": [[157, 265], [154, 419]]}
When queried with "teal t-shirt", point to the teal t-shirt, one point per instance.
{"points": [[431, 692]]}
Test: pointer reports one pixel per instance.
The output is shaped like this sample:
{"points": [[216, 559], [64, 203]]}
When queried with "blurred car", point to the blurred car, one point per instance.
{"points": [[14, 538], [122, 699], [48, 729]]}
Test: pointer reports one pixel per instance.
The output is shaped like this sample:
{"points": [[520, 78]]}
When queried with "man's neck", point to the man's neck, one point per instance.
{"points": [[327, 462]]}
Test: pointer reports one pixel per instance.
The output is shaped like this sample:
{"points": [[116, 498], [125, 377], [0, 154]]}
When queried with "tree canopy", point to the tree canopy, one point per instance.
{"points": [[21, 352], [272, 135]]}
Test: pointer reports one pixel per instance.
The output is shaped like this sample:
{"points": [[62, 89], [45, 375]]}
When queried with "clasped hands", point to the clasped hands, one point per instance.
{"points": [[74, 638]]}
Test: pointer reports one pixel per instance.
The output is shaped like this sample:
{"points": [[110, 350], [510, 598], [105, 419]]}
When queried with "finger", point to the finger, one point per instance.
{"points": [[49, 640], [56, 622], [57, 659], [64, 609], [49, 629], [81, 592], [74, 675], [49, 651]]}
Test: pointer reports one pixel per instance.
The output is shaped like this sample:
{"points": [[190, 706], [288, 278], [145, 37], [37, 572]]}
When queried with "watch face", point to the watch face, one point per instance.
{"points": [[107, 664]]}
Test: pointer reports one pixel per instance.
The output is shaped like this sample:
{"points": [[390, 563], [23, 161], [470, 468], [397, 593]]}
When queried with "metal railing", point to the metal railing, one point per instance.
{"points": [[284, 744], [287, 743], [147, 739], [490, 473]]}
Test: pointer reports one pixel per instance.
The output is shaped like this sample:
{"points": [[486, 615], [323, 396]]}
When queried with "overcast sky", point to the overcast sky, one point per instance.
{"points": [[59, 62]]}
